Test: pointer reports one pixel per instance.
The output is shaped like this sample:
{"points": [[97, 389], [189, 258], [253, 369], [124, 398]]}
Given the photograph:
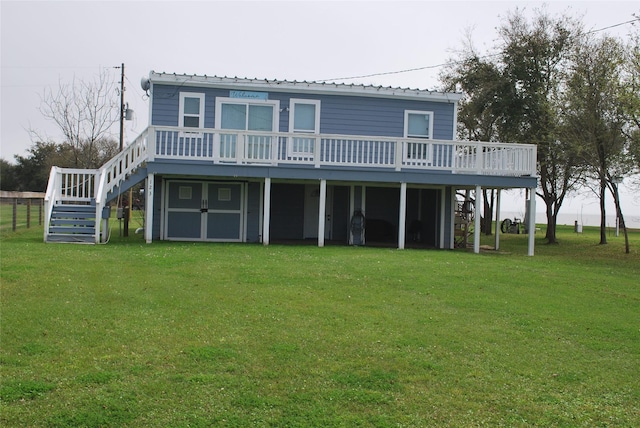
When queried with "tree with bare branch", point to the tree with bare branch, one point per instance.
{"points": [[85, 113]]}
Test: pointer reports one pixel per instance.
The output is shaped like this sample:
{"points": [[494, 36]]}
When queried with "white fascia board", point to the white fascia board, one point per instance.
{"points": [[304, 87]]}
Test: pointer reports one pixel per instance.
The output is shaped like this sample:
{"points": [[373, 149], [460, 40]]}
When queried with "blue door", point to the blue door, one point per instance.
{"points": [[204, 211]]}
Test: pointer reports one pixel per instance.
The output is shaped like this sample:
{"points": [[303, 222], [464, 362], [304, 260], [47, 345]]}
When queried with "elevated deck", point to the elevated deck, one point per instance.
{"points": [[360, 158]]}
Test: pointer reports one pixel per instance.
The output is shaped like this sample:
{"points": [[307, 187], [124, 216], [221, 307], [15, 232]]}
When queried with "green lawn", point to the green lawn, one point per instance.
{"points": [[22, 214], [195, 335]]}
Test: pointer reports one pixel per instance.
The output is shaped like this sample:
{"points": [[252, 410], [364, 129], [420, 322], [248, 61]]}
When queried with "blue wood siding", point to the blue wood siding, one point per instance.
{"points": [[339, 114]]}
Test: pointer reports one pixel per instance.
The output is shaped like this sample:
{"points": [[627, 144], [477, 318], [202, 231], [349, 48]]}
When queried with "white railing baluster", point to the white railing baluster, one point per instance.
{"points": [[273, 148]]}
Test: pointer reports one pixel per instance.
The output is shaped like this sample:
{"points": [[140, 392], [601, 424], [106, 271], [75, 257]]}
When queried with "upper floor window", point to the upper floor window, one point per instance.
{"points": [[418, 124], [254, 115], [304, 116], [191, 110]]}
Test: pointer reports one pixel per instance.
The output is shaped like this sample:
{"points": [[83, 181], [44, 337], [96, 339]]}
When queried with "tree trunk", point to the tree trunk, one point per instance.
{"points": [[626, 235], [603, 213], [551, 223], [487, 219], [620, 217]]}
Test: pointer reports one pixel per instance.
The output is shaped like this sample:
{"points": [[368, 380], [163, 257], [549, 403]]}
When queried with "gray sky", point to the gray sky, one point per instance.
{"points": [[47, 42]]}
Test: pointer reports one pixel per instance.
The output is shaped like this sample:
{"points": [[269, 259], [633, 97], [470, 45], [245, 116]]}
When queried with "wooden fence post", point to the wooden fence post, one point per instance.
{"points": [[28, 198], [14, 223], [28, 213]]}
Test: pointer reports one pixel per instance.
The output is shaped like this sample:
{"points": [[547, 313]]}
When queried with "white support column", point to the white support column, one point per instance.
{"points": [[452, 218], [266, 215], [363, 208], [322, 207], [531, 225], [148, 209], [497, 244], [104, 229], [476, 220], [402, 220], [442, 211]]}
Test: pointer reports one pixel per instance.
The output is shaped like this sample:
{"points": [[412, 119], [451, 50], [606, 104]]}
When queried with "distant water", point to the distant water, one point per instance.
{"points": [[632, 221]]}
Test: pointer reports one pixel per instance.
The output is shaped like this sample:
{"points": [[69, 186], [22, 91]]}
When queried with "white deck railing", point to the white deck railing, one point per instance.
{"points": [[116, 170], [278, 148]]}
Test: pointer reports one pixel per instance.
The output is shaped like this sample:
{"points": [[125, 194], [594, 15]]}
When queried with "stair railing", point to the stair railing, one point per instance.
{"points": [[50, 197], [116, 170], [71, 185]]}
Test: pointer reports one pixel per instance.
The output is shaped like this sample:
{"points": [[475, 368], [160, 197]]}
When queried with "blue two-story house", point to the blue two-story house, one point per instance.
{"points": [[247, 160]]}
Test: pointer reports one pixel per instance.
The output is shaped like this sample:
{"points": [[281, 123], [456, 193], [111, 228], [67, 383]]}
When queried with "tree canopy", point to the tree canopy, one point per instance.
{"points": [[572, 93]]}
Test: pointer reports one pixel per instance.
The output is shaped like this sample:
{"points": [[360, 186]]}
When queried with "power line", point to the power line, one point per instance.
{"points": [[444, 64], [613, 26]]}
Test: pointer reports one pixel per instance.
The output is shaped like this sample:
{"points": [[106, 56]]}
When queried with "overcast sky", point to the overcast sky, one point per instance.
{"points": [[47, 42]]}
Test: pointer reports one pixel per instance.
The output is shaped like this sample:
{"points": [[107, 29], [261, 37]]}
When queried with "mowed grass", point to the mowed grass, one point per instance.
{"points": [[195, 335]]}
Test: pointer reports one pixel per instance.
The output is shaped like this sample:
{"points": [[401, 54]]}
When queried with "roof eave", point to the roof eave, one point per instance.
{"points": [[302, 87]]}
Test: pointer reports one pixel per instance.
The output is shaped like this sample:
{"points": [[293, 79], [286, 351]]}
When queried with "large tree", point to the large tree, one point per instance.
{"points": [[8, 180], [85, 113], [595, 115], [31, 172], [631, 101], [482, 83], [535, 58], [512, 96]]}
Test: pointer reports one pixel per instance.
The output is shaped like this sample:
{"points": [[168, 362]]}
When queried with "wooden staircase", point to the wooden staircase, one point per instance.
{"points": [[72, 224], [76, 201]]}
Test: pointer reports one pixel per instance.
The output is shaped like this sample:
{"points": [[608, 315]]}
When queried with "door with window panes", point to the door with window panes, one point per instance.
{"points": [[304, 119], [204, 211], [251, 124], [418, 125]]}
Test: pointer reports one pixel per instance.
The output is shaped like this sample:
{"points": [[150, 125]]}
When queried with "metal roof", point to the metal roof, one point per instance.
{"points": [[301, 86]]}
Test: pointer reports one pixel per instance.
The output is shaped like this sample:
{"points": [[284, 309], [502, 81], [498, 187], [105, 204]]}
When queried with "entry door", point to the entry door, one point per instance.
{"points": [[224, 212], [204, 211]]}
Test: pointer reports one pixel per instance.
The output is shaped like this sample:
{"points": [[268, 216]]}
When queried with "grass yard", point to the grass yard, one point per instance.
{"points": [[198, 335], [22, 214]]}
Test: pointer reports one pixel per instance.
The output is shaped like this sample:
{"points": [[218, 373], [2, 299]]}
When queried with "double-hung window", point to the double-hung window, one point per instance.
{"points": [[191, 110], [304, 118], [418, 124]]}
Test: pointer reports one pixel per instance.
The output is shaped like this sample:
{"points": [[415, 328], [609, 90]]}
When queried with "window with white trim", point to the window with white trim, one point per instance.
{"points": [[304, 117], [244, 115], [418, 124], [239, 114], [191, 113]]}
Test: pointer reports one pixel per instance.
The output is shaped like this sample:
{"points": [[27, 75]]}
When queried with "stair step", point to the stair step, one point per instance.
{"points": [[72, 230], [74, 208], [71, 222], [72, 214], [72, 239]]}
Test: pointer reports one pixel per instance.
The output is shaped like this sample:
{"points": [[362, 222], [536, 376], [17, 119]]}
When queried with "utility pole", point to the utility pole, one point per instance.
{"points": [[126, 211], [122, 106]]}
